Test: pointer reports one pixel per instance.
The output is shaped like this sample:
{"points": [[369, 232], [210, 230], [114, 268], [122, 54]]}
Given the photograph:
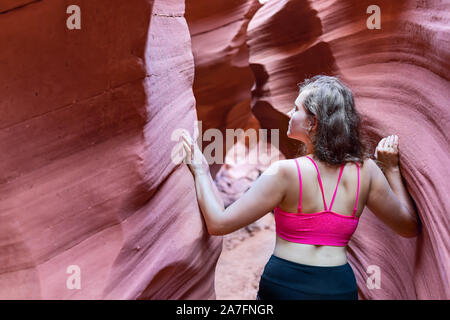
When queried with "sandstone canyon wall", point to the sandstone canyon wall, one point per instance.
{"points": [[87, 115], [86, 174], [400, 78], [223, 78]]}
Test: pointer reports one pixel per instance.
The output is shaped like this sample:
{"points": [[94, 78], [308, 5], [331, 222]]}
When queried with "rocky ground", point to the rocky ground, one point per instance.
{"points": [[244, 255]]}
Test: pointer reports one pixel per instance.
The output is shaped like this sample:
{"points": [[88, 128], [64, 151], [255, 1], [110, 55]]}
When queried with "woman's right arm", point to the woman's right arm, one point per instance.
{"points": [[388, 198]]}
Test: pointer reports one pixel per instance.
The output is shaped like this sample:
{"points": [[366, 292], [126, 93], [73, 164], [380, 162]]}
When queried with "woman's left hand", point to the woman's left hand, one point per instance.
{"points": [[194, 157]]}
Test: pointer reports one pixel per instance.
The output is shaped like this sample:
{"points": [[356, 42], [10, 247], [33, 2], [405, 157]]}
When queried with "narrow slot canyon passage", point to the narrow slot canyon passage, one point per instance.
{"points": [[97, 201]]}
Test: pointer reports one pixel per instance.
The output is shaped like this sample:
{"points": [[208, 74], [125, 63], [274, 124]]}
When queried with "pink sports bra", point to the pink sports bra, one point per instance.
{"points": [[321, 228]]}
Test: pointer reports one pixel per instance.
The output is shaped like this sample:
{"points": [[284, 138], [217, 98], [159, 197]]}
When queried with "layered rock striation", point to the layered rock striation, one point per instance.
{"points": [[92, 204]]}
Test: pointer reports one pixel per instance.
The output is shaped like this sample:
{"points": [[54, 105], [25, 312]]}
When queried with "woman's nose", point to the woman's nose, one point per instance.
{"points": [[290, 113]]}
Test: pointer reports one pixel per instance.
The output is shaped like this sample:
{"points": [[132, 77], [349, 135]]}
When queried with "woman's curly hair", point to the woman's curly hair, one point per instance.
{"points": [[337, 139]]}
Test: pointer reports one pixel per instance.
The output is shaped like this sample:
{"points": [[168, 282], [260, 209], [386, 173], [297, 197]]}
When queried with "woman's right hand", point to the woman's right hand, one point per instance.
{"points": [[387, 152]]}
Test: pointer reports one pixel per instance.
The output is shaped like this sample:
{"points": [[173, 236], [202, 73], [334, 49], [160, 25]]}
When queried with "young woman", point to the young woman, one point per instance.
{"points": [[317, 199]]}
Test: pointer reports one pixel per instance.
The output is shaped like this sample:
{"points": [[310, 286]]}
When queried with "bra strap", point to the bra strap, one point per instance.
{"points": [[357, 192], [300, 187], [320, 183], [337, 185]]}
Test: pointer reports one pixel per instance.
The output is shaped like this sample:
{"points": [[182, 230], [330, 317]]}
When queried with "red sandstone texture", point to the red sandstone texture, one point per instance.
{"points": [[399, 75], [223, 77], [87, 116], [86, 174]]}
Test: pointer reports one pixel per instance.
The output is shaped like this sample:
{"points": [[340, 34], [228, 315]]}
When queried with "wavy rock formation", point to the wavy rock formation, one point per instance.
{"points": [[87, 178], [223, 77], [90, 194], [400, 78]]}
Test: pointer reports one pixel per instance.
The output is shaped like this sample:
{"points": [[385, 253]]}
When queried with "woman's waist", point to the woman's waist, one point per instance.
{"points": [[310, 254]]}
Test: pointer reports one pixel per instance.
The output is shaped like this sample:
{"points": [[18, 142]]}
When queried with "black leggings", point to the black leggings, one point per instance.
{"points": [[286, 280]]}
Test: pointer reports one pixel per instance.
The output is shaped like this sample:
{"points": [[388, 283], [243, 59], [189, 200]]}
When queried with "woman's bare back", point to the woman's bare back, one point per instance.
{"points": [[312, 201]]}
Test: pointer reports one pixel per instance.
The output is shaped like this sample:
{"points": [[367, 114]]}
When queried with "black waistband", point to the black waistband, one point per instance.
{"points": [[307, 266]]}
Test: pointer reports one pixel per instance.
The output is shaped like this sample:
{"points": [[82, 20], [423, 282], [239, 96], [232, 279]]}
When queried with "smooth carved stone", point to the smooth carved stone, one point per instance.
{"points": [[400, 78], [223, 77], [87, 182]]}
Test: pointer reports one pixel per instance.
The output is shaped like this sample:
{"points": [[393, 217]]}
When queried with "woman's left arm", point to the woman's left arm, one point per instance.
{"points": [[263, 196]]}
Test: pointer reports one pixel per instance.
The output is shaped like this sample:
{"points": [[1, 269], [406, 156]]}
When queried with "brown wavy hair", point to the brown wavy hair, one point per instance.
{"points": [[338, 138]]}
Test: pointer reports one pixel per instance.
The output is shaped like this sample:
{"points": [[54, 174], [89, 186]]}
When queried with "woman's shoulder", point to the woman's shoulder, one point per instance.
{"points": [[285, 166], [290, 165]]}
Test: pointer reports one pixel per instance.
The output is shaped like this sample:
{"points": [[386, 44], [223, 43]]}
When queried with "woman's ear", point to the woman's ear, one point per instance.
{"points": [[313, 124]]}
